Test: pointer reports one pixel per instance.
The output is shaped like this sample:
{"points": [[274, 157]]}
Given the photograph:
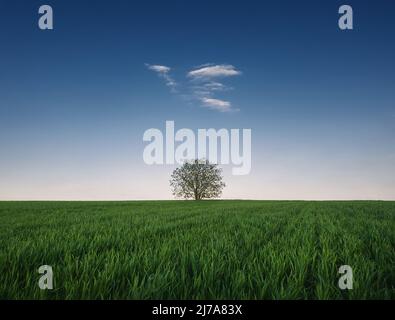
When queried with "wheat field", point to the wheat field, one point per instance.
{"points": [[197, 249]]}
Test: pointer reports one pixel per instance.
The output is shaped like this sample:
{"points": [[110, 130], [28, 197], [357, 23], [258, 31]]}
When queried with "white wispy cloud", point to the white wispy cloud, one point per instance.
{"points": [[203, 84], [214, 71], [158, 68], [216, 86], [163, 72], [206, 85], [217, 104]]}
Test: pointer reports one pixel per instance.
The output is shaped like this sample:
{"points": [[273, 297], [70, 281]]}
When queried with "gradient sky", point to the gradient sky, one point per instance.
{"points": [[75, 101]]}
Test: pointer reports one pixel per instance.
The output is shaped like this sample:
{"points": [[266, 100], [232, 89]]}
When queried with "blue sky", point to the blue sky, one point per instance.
{"points": [[75, 101]]}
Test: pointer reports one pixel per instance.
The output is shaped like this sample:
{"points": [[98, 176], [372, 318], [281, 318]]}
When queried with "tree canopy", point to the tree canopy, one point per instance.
{"points": [[197, 179]]}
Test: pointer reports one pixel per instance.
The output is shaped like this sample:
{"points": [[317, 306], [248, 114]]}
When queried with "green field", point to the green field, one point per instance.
{"points": [[197, 250]]}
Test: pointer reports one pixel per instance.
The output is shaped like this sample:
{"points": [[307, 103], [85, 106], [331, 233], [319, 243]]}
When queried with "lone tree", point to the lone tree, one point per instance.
{"points": [[197, 179]]}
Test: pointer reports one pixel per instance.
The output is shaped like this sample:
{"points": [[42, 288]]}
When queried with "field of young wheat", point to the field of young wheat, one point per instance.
{"points": [[197, 250]]}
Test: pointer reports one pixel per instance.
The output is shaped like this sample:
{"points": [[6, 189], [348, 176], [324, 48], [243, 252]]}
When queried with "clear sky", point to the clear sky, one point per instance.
{"points": [[75, 101]]}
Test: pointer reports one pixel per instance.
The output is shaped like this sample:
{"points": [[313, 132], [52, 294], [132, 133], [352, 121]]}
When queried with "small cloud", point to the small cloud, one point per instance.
{"points": [[203, 85], [163, 72], [213, 71], [158, 68], [215, 86], [206, 84], [217, 104]]}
